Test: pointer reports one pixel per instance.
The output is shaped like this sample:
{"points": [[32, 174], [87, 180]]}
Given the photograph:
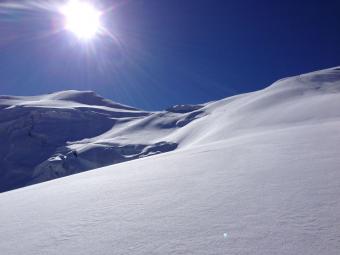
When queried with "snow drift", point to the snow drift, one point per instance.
{"points": [[256, 173]]}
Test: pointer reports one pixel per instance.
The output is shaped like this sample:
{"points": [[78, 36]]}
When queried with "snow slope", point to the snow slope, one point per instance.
{"points": [[251, 174], [51, 136], [37, 130]]}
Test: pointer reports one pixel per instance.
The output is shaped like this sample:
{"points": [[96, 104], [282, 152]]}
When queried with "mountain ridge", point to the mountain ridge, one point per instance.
{"points": [[68, 136], [253, 174]]}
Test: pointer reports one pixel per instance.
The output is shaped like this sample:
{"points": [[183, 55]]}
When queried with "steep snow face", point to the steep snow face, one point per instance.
{"points": [[253, 174], [71, 131], [36, 129], [50, 136]]}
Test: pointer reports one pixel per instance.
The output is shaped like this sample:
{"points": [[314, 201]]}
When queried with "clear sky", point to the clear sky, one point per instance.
{"points": [[167, 52]]}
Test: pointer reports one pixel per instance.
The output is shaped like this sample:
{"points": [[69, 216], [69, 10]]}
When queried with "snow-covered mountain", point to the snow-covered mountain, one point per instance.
{"points": [[37, 133], [51, 136], [256, 173]]}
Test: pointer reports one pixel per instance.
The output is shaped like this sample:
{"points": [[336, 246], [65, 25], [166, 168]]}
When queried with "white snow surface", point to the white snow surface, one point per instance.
{"points": [[257, 173]]}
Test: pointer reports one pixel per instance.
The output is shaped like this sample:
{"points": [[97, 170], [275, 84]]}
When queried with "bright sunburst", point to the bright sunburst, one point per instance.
{"points": [[81, 18]]}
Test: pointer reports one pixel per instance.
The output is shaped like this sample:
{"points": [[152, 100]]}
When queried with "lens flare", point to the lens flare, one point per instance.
{"points": [[82, 19]]}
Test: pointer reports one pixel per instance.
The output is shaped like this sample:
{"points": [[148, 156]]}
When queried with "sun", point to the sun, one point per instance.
{"points": [[81, 18]]}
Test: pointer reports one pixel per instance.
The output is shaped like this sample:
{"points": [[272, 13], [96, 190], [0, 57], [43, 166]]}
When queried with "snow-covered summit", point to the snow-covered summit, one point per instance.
{"points": [[256, 174], [37, 128], [64, 99], [73, 131]]}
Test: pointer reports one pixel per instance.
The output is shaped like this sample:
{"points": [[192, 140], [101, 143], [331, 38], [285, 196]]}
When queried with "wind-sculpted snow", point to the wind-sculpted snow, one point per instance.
{"points": [[309, 98], [67, 99], [92, 156], [184, 108], [270, 192], [251, 174], [51, 136], [33, 129]]}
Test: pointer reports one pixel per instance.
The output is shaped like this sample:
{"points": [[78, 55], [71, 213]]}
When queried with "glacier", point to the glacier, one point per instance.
{"points": [[256, 173]]}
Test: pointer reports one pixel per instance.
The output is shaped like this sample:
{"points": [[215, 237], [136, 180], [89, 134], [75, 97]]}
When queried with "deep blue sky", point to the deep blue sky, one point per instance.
{"points": [[171, 51]]}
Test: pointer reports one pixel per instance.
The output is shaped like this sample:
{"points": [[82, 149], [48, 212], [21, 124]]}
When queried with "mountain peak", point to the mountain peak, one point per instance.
{"points": [[67, 98], [87, 97], [73, 131]]}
